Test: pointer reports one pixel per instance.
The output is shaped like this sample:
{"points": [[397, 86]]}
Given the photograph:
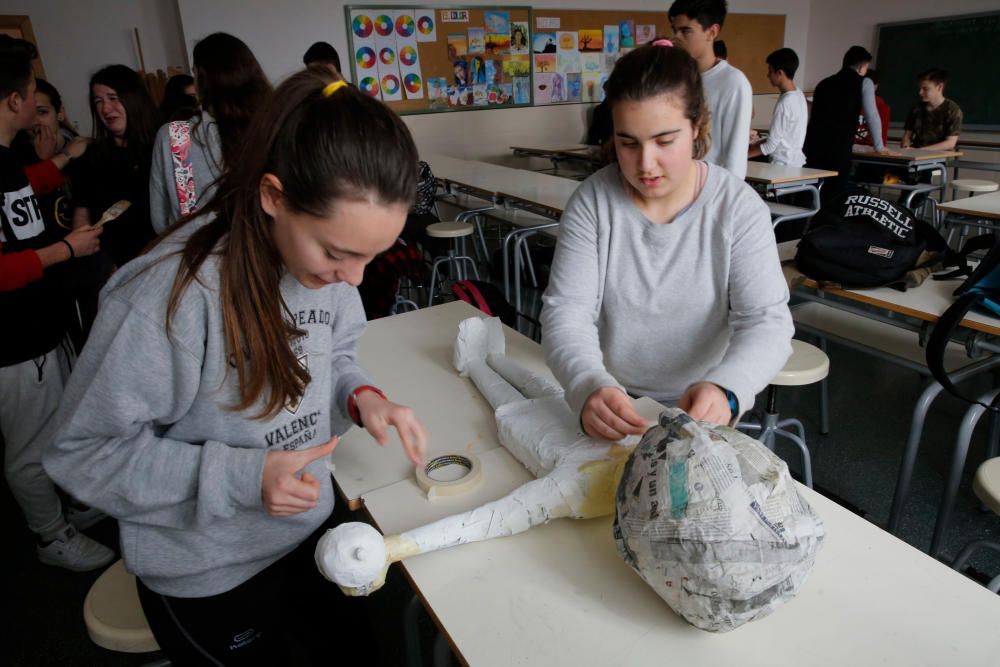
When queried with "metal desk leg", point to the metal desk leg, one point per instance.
{"points": [[916, 430], [958, 457]]}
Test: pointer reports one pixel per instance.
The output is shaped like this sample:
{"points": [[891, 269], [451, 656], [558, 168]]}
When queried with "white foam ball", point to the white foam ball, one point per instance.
{"points": [[352, 555]]}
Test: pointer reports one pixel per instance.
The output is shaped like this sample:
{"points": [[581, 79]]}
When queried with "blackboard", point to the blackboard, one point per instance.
{"points": [[965, 46]]}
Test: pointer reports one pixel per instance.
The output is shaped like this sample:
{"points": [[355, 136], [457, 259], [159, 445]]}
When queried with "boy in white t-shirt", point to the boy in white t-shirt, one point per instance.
{"points": [[788, 126], [696, 26]]}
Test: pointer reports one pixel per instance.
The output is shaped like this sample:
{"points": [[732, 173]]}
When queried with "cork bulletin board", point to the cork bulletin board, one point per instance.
{"points": [[435, 59], [574, 51], [443, 59]]}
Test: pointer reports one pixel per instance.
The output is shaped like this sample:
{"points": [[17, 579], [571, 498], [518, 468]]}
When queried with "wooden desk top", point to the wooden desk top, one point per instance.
{"points": [[559, 594], [410, 358], [982, 206], [905, 155], [926, 302], [773, 174]]}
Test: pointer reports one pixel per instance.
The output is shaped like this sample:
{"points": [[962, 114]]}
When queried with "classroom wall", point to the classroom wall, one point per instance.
{"points": [[78, 38], [279, 35], [835, 26]]}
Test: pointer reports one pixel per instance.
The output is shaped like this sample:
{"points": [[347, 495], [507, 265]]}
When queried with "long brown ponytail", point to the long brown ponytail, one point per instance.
{"points": [[323, 149]]}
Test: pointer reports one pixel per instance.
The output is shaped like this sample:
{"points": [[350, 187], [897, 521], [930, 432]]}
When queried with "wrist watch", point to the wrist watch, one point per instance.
{"points": [[734, 403]]}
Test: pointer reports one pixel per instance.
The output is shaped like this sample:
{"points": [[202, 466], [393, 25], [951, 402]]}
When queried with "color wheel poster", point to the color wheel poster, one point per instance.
{"points": [[388, 56], [365, 55], [426, 27], [409, 58]]}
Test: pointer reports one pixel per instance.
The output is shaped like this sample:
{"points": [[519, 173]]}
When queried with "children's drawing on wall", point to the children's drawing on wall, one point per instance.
{"points": [[458, 46], [568, 62], [545, 62], [591, 62], [645, 33], [591, 87], [543, 88], [544, 42], [567, 42], [626, 34], [437, 92], [479, 95], [519, 38], [517, 66], [497, 44], [558, 88], [497, 22], [477, 70], [426, 27], [460, 96], [591, 41], [506, 94], [610, 46], [522, 90], [573, 81], [461, 69], [494, 70], [477, 40]]}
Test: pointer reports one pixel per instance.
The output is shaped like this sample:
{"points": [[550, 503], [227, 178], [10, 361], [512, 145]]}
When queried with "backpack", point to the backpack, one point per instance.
{"points": [[399, 268], [487, 298], [861, 240], [980, 290]]}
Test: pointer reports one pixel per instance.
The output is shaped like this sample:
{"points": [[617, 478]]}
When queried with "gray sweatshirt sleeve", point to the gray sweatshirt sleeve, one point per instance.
{"points": [[110, 451], [161, 187], [761, 323], [571, 305], [871, 113]]}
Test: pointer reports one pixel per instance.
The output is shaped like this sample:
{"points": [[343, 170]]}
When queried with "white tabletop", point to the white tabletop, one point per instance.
{"points": [[773, 174], [559, 594], [517, 185], [926, 302], [983, 206], [410, 358]]}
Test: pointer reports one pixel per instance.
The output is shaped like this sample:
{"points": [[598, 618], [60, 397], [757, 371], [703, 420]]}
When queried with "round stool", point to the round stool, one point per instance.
{"points": [[456, 257], [808, 364], [972, 186], [113, 615], [986, 485]]}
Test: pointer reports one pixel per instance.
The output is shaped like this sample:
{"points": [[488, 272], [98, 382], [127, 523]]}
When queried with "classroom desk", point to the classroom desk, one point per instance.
{"points": [[924, 305], [781, 180], [559, 594], [583, 154], [984, 208], [542, 194], [914, 160], [410, 358]]}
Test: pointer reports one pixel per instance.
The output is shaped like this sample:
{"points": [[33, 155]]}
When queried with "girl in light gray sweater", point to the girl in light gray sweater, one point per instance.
{"points": [[666, 281], [221, 369]]}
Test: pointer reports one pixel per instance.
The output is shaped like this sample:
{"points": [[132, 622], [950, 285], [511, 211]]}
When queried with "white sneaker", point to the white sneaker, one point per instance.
{"points": [[83, 517], [75, 551]]}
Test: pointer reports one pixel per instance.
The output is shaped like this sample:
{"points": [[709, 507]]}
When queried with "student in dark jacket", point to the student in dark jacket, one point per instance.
{"points": [[834, 119]]}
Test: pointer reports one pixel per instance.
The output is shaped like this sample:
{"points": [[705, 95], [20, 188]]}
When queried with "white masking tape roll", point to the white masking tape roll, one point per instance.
{"points": [[435, 488]]}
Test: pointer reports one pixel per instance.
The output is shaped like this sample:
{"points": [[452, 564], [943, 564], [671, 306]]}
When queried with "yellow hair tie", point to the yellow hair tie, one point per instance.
{"points": [[331, 88]]}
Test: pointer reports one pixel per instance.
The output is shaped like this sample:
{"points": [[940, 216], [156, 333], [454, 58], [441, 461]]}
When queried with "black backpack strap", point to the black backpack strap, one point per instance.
{"points": [[938, 341], [961, 258]]}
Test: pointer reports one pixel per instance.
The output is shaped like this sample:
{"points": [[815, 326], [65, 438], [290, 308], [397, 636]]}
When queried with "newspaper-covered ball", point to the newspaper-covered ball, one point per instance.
{"points": [[711, 519]]}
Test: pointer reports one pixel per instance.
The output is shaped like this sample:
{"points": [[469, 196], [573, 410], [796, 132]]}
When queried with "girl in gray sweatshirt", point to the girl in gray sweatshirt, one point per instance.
{"points": [[666, 281], [221, 368]]}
